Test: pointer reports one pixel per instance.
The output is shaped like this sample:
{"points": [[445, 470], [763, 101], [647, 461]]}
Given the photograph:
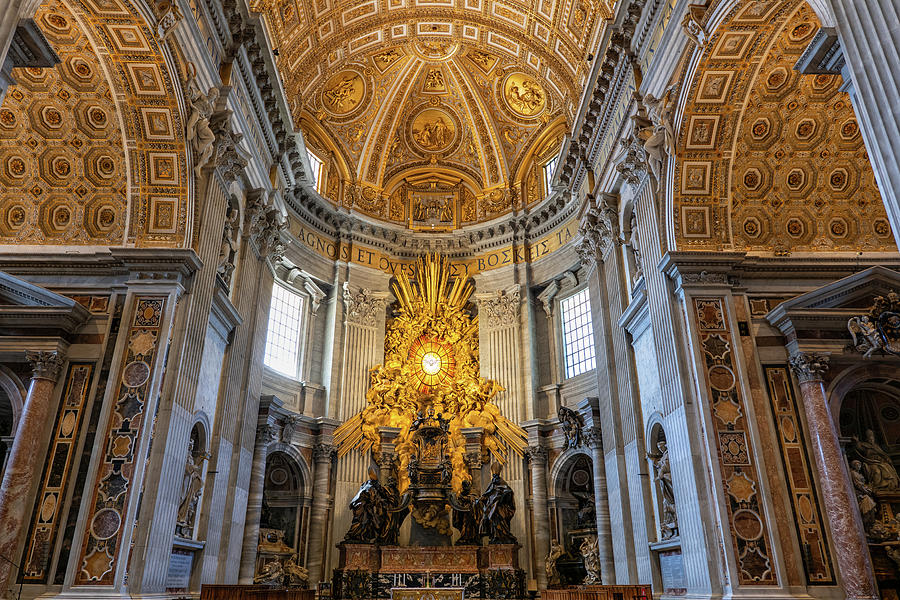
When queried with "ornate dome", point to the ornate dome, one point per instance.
{"points": [[433, 114]]}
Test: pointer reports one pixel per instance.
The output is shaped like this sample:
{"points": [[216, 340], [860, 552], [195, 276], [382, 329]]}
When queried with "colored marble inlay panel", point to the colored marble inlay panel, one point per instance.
{"points": [[804, 502], [46, 518], [113, 485], [741, 484]]}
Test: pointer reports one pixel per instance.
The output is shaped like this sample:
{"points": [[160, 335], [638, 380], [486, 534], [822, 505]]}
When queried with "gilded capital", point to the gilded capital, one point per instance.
{"points": [[809, 366], [45, 365]]}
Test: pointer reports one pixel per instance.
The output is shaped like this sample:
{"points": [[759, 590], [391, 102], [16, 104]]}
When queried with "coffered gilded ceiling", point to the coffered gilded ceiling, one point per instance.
{"points": [[770, 159], [92, 150], [460, 97]]}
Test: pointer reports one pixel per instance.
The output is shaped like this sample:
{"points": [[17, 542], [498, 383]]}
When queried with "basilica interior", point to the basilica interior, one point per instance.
{"points": [[449, 299]]}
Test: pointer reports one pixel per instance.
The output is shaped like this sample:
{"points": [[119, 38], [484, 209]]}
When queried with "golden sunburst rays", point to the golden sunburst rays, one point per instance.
{"points": [[431, 361]]}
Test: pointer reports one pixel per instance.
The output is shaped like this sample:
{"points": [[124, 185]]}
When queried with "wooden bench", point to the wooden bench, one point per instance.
{"points": [[252, 592], [599, 592]]}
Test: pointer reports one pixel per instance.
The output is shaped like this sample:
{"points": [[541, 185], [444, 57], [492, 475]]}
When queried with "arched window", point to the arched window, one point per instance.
{"points": [[318, 166], [287, 320]]}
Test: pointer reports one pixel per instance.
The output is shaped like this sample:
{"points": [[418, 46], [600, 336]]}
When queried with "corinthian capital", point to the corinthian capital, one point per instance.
{"points": [[501, 309], [809, 366], [593, 436], [599, 229], [324, 452], [45, 365], [363, 306], [537, 455]]}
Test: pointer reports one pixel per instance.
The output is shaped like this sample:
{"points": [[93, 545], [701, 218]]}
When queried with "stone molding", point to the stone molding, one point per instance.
{"points": [[809, 366], [45, 365]]}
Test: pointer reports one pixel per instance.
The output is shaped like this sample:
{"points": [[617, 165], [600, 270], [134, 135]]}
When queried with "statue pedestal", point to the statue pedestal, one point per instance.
{"points": [[369, 572]]}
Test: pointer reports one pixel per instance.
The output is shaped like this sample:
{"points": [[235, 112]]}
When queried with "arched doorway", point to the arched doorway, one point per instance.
{"points": [[575, 513], [281, 524], [870, 433], [12, 396]]}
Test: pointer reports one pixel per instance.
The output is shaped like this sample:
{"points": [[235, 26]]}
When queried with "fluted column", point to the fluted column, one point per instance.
{"points": [[838, 495], [25, 456], [264, 436], [537, 458], [594, 439], [869, 30], [323, 456]]}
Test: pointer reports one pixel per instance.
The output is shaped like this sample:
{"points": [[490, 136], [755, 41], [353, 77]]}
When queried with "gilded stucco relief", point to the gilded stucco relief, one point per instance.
{"points": [[465, 92], [66, 175], [770, 159]]}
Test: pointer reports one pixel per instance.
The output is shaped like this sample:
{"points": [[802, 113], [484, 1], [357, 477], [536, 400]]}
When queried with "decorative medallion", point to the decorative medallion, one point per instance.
{"points": [[106, 523], [433, 130], [136, 374], [344, 93], [524, 95]]}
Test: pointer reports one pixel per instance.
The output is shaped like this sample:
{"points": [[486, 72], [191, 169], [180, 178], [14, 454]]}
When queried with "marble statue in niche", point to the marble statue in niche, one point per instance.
{"points": [[294, 575], [228, 252], [877, 467], [590, 553], [864, 495], [498, 508], [662, 475], [572, 426], [556, 551], [271, 574], [191, 489], [199, 133]]}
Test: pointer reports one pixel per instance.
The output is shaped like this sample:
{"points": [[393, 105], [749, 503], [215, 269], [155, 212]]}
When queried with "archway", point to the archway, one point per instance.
{"points": [[869, 423], [282, 523], [574, 513], [12, 397]]}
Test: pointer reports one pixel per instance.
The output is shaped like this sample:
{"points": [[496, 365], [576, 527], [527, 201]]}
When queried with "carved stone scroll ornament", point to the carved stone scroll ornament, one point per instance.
{"points": [[879, 329], [572, 425], [169, 17], [228, 159], [362, 307], [501, 309], [593, 437], [692, 24]]}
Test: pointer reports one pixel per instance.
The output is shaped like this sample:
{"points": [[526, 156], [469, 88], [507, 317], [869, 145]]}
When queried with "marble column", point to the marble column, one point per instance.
{"points": [[594, 438], [323, 456], [25, 457], [838, 496], [265, 435], [537, 458]]}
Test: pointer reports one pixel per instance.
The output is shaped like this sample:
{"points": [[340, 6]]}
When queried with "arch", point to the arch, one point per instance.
{"points": [[805, 182], [854, 376], [563, 460], [302, 466], [125, 134], [16, 393], [201, 424]]}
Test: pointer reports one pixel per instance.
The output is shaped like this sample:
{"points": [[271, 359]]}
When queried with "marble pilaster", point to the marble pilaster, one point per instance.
{"points": [[868, 31], [25, 456], [594, 439], [265, 435], [323, 457], [838, 496], [537, 458]]}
